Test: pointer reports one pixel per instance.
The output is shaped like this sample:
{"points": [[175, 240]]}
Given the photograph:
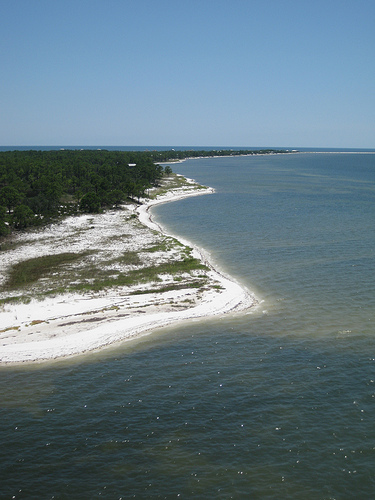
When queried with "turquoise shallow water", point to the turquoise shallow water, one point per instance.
{"points": [[277, 403]]}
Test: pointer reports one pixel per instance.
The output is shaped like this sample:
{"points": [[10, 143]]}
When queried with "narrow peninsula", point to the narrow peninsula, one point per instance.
{"points": [[84, 274]]}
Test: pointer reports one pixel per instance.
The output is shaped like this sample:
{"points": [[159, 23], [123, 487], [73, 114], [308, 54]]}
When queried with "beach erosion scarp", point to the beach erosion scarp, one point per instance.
{"points": [[51, 326]]}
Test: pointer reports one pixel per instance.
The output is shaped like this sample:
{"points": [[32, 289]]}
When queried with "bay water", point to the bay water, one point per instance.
{"points": [[276, 402]]}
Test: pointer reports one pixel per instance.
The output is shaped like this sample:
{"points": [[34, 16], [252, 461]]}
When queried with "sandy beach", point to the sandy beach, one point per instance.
{"points": [[48, 326]]}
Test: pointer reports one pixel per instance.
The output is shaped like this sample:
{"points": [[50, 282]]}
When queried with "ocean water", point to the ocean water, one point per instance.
{"points": [[277, 402]]}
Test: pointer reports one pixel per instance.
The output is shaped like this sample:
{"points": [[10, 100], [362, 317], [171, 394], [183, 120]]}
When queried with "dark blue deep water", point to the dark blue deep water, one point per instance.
{"points": [[275, 403]]}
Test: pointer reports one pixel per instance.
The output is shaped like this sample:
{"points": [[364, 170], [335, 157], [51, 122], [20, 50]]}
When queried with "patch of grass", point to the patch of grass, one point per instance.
{"points": [[161, 247], [118, 237], [166, 245], [9, 244], [128, 259], [56, 275], [10, 328], [168, 288], [174, 181], [60, 290], [15, 299], [186, 265], [108, 279], [29, 271]]}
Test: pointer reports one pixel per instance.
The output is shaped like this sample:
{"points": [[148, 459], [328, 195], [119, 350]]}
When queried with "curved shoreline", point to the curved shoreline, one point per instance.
{"points": [[60, 327]]}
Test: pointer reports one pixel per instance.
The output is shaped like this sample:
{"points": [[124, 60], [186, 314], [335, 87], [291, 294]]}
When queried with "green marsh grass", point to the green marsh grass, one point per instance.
{"points": [[29, 271], [143, 275]]}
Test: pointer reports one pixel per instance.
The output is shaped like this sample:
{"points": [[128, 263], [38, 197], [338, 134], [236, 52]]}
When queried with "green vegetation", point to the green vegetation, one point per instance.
{"points": [[171, 287], [128, 259], [91, 278], [174, 182], [37, 186], [109, 278], [162, 156], [167, 244], [29, 271]]}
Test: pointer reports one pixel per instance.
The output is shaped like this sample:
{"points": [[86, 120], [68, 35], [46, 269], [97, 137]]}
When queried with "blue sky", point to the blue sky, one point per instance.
{"points": [[200, 73]]}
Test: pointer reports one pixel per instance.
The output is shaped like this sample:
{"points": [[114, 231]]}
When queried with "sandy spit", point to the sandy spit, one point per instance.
{"points": [[74, 323]]}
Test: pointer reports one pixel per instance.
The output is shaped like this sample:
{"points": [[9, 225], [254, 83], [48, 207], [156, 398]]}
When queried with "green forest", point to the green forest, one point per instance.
{"points": [[39, 186]]}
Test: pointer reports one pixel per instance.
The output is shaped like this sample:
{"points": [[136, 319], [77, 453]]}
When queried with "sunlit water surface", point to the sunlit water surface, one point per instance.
{"points": [[274, 403]]}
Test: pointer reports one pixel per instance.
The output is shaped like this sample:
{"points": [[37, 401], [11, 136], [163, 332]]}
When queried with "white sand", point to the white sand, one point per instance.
{"points": [[73, 324]]}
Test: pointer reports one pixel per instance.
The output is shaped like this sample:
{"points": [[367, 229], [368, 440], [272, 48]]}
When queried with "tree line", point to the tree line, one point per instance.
{"points": [[37, 186], [191, 153]]}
